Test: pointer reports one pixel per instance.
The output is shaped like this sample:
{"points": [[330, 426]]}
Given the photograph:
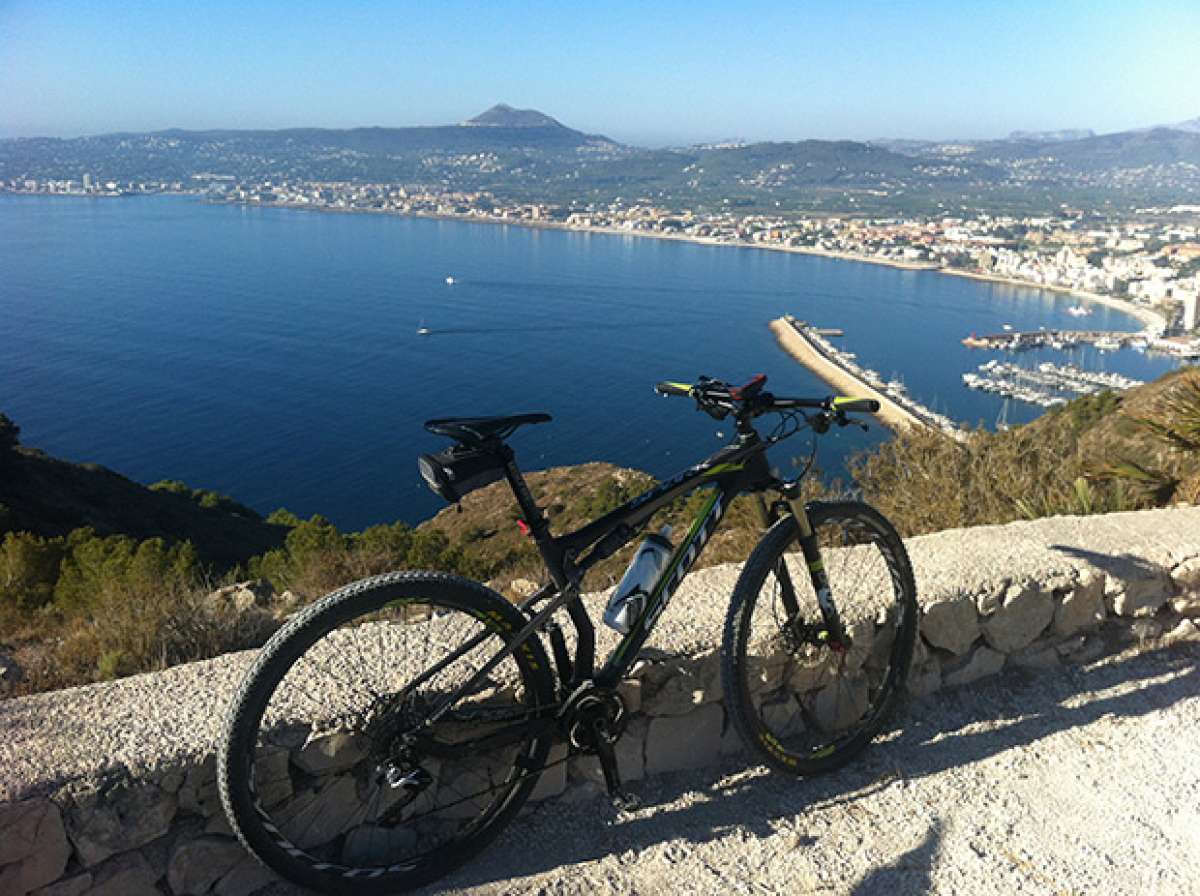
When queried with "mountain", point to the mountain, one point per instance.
{"points": [[505, 116], [506, 138], [1192, 126], [524, 155]]}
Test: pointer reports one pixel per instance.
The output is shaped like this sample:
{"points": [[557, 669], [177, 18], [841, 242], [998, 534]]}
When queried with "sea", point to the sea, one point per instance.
{"points": [[273, 354]]}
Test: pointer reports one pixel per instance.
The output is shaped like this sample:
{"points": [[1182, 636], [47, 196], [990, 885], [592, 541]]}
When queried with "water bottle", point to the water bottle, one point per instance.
{"points": [[629, 600]]}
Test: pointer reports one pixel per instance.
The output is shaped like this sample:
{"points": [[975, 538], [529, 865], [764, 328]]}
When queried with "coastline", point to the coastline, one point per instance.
{"points": [[1149, 317]]}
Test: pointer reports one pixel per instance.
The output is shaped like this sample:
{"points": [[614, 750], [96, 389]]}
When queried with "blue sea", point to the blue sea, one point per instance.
{"points": [[272, 354]]}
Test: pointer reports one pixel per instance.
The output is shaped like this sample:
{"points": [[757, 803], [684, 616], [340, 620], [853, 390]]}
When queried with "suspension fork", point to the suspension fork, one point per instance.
{"points": [[816, 572]]}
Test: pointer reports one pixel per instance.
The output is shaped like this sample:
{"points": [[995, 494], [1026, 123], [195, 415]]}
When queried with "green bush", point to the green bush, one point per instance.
{"points": [[205, 498], [29, 568]]}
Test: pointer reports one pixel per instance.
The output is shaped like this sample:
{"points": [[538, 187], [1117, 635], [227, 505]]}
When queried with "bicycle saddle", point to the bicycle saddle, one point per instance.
{"points": [[474, 430]]}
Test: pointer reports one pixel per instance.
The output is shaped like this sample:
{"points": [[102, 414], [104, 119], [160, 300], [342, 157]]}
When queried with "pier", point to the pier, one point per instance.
{"points": [[808, 346], [1014, 340]]}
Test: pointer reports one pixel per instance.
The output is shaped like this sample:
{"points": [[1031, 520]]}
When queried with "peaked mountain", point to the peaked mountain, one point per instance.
{"points": [[502, 115]]}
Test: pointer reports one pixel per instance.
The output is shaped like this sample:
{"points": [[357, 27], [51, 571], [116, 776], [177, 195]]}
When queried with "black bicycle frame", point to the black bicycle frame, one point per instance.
{"points": [[739, 467]]}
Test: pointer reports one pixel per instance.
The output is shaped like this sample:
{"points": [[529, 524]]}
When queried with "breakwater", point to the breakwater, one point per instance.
{"points": [[838, 369]]}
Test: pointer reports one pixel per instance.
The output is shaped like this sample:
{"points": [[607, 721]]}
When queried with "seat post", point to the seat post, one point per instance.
{"points": [[539, 527], [529, 509]]}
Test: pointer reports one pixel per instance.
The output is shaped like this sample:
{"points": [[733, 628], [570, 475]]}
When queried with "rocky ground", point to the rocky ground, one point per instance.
{"points": [[1079, 780]]}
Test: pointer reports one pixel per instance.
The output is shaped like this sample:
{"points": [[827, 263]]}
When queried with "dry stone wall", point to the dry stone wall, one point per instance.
{"points": [[111, 788]]}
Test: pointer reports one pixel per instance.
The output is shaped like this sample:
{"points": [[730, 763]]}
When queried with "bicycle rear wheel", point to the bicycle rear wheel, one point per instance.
{"points": [[805, 705], [334, 770]]}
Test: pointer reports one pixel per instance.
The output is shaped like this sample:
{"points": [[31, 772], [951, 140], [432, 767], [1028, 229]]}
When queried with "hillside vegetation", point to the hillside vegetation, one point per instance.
{"points": [[82, 598]]}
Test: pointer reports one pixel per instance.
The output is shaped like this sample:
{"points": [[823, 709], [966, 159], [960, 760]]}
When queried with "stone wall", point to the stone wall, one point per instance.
{"points": [[110, 788]]}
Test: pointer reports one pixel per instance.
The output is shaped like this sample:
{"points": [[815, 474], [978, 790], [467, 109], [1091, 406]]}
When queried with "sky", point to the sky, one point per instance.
{"points": [[648, 73]]}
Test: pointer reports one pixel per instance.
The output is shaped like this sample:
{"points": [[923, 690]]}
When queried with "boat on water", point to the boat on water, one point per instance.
{"points": [[1079, 311], [422, 330], [450, 281], [1107, 344], [1007, 328]]}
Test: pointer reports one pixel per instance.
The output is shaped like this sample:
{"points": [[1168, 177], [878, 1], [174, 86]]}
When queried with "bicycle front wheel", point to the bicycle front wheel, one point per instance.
{"points": [[803, 703], [349, 765]]}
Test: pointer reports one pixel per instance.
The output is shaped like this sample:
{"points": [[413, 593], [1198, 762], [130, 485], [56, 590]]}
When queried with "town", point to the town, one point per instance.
{"points": [[1147, 261], [1150, 261]]}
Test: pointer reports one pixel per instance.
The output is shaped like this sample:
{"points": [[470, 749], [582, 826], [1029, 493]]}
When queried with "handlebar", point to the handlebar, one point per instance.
{"points": [[719, 399]]}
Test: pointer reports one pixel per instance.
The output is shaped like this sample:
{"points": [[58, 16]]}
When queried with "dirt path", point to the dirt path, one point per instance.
{"points": [[1080, 780]]}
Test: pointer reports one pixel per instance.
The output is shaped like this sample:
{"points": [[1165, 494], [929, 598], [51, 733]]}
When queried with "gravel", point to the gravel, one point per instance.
{"points": [[1078, 780]]}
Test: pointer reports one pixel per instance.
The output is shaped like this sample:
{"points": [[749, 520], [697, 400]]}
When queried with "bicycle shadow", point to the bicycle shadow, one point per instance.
{"points": [[933, 734], [1121, 566]]}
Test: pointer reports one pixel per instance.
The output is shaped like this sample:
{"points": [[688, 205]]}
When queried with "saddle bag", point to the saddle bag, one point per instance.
{"points": [[459, 471]]}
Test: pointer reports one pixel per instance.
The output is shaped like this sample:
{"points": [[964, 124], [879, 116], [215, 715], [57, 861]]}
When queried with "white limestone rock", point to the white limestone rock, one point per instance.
{"points": [[103, 823], [33, 845], [1186, 576], [312, 818], [1186, 605], [68, 886], [680, 742], [128, 874], [1081, 608], [369, 845], [196, 865], [982, 662], [952, 625], [330, 754], [246, 877], [1141, 596], [1023, 616], [553, 779], [924, 679]]}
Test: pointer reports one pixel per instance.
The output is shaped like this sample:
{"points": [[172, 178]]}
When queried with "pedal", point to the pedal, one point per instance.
{"points": [[624, 801]]}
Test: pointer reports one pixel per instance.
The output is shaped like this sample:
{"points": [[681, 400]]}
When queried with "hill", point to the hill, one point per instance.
{"points": [[526, 155], [372, 154], [502, 115], [50, 498]]}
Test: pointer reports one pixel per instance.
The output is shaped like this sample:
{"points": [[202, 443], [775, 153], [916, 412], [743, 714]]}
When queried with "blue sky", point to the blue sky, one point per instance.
{"points": [[647, 73]]}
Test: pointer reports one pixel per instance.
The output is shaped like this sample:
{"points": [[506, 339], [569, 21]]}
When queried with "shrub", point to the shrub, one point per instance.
{"points": [[29, 568], [205, 498]]}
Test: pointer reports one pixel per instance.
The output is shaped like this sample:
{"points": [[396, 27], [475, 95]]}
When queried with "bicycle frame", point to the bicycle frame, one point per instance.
{"points": [[738, 467]]}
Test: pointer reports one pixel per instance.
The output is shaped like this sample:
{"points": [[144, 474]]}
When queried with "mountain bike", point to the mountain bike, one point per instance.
{"points": [[389, 731]]}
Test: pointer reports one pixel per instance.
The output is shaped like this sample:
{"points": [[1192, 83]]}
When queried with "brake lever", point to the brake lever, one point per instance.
{"points": [[842, 420]]}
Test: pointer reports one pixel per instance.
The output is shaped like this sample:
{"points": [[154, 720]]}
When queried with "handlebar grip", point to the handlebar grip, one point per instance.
{"points": [[673, 389], [860, 405]]}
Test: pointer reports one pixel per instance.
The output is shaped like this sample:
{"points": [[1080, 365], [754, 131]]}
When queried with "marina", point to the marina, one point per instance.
{"points": [[1015, 340], [1046, 385], [840, 369]]}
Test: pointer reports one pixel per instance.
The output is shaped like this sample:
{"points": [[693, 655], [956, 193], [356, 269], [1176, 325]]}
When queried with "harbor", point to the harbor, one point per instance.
{"points": [[1047, 385], [1105, 340], [840, 369]]}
